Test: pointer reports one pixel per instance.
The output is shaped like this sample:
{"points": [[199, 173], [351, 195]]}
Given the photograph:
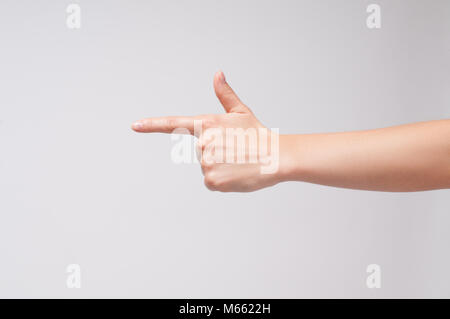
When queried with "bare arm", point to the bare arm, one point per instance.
{"points": [[411, 157]]}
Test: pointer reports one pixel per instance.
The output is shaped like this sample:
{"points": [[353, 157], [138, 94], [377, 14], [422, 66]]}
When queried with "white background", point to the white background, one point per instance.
{"points": [[77, 186]]}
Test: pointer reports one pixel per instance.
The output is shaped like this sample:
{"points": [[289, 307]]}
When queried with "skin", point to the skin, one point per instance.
{"points": [[405, 158]]}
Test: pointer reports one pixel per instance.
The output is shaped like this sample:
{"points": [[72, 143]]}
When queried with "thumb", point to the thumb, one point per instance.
{"points": [[230, 101]]}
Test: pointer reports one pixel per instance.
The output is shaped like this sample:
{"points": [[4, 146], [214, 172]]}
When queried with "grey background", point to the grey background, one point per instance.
{"points": [[78, 186]]}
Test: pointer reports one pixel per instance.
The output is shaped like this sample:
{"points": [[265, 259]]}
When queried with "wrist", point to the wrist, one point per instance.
{"points": [[291, 167]]}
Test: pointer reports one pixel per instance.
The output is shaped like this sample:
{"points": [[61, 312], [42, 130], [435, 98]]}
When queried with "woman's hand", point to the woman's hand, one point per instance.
{"points": [[237, 153]]}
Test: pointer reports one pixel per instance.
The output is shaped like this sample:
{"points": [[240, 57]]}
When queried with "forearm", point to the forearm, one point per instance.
{"points": [[409, 157]]}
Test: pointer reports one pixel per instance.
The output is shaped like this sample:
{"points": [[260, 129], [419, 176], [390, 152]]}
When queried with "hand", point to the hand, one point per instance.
{"points": [[227, 166], [411, 157]]}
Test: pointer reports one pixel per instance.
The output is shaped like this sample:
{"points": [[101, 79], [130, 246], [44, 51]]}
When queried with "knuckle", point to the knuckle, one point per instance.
{"points": [[206, 165], [201, 144], [210, 184], [170, 124], [199, 149], [214, 183], [211, 181], [210, 122]]}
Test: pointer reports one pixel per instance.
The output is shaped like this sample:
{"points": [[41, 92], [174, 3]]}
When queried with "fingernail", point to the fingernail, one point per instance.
{"points": [[137, 126], [222, 77]]}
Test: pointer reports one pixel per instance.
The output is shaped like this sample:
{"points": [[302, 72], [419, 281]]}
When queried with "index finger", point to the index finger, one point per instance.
{"points": [[165, 124]]}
